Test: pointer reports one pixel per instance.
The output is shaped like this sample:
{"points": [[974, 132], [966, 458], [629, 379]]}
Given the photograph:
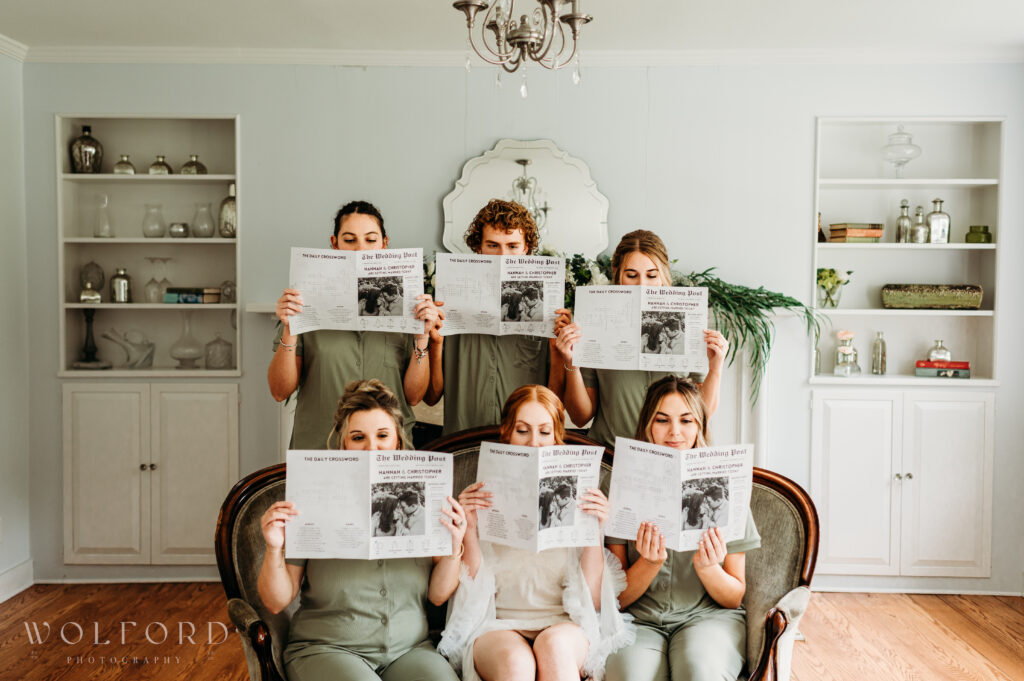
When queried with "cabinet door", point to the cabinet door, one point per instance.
{"points": [[195, 454], [854, 437], [106, 495], [947, 484]]}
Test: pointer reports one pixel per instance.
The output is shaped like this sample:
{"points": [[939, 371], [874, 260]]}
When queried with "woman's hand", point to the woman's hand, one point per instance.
{"points": [[594, 502], [273, 521], [650, 544], [473, 498], [567, 338], [711, 550], [455, 522], [430, 312], [718, 347], [563, 316], [289, 304]]}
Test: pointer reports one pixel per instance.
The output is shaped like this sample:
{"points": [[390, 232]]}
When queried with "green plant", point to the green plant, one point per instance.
{"points": [[831, 283]]}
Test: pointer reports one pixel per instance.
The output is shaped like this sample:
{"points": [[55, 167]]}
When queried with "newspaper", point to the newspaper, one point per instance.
{"points": [[647, 328], [500, 295], [357, 290], [536, 495], [713, 491], [368, 504]]}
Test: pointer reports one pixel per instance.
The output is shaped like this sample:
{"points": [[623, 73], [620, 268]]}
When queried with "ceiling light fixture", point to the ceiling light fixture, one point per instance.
{"points": [[539, 36]]}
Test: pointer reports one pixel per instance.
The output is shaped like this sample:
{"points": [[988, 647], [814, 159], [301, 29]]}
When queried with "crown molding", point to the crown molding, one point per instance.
{"points": [[457, 58], [12, 48]]}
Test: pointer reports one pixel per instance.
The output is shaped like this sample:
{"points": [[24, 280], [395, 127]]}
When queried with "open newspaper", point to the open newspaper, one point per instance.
{"points": [[500, 294], [367, 504], [713, 490], [650, 328], [536, 495], [357, 290]]}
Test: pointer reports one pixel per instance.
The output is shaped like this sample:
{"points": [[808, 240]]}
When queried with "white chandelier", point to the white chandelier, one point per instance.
{"points": [[539, 36]]}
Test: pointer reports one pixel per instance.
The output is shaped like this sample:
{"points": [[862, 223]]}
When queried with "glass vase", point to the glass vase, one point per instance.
{"points": [[193, 167], [124, 166], [829, 297], [939, 353], [86, 152], [228, 218], [203, 224], [104, 227], [153, 225], [160, 167], [186, 349], [846, 359]]}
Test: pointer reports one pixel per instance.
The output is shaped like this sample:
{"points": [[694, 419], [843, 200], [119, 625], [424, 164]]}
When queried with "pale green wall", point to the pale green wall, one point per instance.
{"points": [[719, 159], [14, 350]]}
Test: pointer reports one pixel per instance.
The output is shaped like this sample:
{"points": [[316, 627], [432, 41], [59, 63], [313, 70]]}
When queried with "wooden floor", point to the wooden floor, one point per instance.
{"points": [[850, 637]]}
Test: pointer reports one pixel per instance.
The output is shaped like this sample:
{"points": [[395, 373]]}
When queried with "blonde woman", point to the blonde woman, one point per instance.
{"points": [[360, 620], [613, 398], [687, 605]]}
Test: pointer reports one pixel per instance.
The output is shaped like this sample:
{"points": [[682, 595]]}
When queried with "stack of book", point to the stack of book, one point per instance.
{"points": [[942, 369], [855, 232], [185, 294]]}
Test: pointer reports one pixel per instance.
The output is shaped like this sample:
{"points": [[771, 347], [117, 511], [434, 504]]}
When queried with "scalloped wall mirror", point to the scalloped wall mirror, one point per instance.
{"points": [[558, 189]]}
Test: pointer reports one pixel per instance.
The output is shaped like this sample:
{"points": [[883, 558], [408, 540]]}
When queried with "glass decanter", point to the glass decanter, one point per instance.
{"points": [[939, 353], [104, 227], [900, 150]]}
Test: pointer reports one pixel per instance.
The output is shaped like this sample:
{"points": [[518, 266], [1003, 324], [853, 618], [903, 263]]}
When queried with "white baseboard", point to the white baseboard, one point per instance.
{"points": [[15, 580], [942, 592]]}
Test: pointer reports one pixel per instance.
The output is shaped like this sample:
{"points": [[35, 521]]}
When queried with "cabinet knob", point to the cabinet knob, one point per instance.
{"points": [[142, 466], [152, 466], [909, 476], [898, 476]]}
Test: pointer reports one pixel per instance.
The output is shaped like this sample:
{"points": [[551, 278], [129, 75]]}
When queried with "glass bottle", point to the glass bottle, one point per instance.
{"points": [[919, 232], [104, 228], [878, 355], [124, 166], [153, 225], [121, 287], [186, 349], [193, 167], [939, 353], [228, 219], [160, 167], [86, 152], [938, 224], [846, 359], [900, 150], [219, 354], [203, 225], [903, 223]]}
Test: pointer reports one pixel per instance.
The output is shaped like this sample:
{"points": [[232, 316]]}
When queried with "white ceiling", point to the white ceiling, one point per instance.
{"points": [[932, 26]]}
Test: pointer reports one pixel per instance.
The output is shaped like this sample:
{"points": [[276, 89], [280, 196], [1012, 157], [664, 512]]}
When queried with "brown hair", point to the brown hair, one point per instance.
{"points": [[532, 393], [505, 215], [366, 396], [359, 208], [657, 391], [646, 242]]}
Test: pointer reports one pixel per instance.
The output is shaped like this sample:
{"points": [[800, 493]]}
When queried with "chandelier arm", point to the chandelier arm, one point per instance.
{"points": [[549, 25], [496, 58]]}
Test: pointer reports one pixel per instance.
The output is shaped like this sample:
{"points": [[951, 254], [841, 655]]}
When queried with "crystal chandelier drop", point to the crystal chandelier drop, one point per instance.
{"points": [[524, 192], [539, 35]]}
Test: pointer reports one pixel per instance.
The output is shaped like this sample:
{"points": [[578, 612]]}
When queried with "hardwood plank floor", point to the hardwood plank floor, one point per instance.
{"points": [[850, 637]]}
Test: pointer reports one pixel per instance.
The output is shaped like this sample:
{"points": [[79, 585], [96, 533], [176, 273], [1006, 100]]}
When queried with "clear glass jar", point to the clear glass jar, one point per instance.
{"points": [[203, 224], [104, 227], [919, 232], [939, 353], [846, 359], [153, 225], [938, 224]]}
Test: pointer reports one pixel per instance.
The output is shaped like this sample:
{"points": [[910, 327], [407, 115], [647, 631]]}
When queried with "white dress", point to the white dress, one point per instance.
{"points": [[518, 589]]}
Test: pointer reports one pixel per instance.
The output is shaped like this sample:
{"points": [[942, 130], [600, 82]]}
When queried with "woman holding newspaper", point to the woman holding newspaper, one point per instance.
{"points": [[687, 605], [360, 620], [612, 398], [519, 614], [319, 363]]}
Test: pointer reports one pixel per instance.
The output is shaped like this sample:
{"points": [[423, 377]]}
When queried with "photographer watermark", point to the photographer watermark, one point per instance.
{"points": [[128, 632]]}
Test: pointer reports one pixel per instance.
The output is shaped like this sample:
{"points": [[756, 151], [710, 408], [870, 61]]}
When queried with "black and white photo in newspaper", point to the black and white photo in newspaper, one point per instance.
{"points": [[673, 319], [388, 282], [715, 492], [566, 472], [330, 492], [532, 288], [609, 321], [408, 489]]}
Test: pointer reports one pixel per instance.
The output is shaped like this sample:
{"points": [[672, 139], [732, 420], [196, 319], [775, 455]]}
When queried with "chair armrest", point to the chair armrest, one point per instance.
{"points": [[256, 640], [780, 627]]}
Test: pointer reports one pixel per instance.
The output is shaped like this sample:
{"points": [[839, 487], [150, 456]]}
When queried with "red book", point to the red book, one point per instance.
{"points": [[926, 364]]}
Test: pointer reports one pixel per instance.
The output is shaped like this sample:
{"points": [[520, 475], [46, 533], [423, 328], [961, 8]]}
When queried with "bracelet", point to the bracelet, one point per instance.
{"points": [[282, 344], [420, 354], [462, 550], [568, 368]]}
